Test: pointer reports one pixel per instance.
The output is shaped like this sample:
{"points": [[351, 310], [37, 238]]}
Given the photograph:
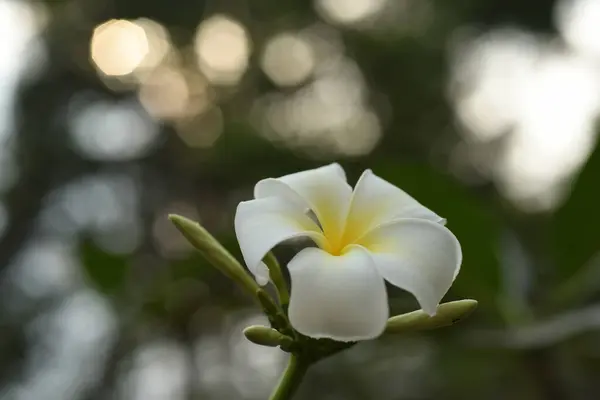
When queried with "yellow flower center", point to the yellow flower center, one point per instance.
{"points": [[338, 241]]}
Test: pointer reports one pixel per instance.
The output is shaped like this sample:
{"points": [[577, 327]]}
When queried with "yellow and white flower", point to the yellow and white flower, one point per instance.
{"points": [[373, 233]]}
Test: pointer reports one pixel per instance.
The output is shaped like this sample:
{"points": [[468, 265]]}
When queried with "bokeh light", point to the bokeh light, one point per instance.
{"points": [[46, 269], [21, 21], [107, 130], [165, 93], [238, 368], [70, 346], [349, 12], [159, 371], [201, 130], [254, 370], [540, 99], [118, 47], [104, 206], [329, 114], [24, 57], [288, 59], [222, 48], [159, 44], [548, 145], [579, 23], [171, 93]]}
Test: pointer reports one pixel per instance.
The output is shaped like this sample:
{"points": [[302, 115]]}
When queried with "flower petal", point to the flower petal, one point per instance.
{"points": [[376, 201], [263, 223], [324, 190], [337, 297], [419, 256]]}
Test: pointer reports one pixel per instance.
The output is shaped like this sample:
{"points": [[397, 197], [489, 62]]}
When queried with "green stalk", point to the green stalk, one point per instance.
{"points": [[291, 379], [278, 280]]}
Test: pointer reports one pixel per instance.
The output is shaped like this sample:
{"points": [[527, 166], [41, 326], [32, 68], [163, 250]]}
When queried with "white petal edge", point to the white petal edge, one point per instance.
{"points": [[337, 297], [376, 201], [419, 256], [263, 223], [324, 190]]}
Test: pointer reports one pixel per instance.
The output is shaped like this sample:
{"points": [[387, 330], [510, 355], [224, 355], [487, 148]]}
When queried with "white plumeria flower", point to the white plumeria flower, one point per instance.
{"points": [[364, 236]]}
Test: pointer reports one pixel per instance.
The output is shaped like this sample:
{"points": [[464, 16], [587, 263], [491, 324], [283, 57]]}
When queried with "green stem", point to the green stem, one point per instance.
{"points": [[278, 280], [291, 378]]}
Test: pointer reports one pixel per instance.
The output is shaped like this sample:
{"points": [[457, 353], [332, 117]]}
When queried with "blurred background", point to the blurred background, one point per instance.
{"points": [[115, 113]]}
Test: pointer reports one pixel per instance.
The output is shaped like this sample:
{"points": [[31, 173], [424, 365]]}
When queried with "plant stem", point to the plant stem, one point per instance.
{"points": [[277, 277], [291, 378]]}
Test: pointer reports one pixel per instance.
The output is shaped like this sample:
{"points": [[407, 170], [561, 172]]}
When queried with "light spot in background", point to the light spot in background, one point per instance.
{"points": [[159, 372], [126, 53], [170, 93], [165, 93], [105, 205], [44, 268], [69, 346], [159, 44], [349, 12], [255, 369], [233, 367], [361, 135], [222, 49], [211, 359], [540, 99], [405, 362], [579, 24], [183, 96], [555, 134], [489, 77], [203, 130], [111, 130], [288, 59], [328, 116], [22, 56], [21, 21], [118, 47]]}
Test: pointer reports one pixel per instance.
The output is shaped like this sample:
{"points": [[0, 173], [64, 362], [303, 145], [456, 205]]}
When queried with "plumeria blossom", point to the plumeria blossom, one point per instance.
{"points": [[365, 236]]}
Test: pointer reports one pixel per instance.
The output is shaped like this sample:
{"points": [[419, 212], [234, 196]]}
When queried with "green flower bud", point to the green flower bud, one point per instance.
{"points": [[447, 314], [214, 252], [277, 278], [265, 336]]}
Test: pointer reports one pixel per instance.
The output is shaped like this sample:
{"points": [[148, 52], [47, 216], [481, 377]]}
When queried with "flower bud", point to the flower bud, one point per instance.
{"points": [[277, 278], [214, 252], [265, 336], [447, 314]]}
